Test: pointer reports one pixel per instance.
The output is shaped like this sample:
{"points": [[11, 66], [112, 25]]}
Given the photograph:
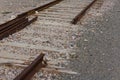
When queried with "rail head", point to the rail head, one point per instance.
{"points": [[8, 27], [43, 7], [34, 67], [82, 13]]}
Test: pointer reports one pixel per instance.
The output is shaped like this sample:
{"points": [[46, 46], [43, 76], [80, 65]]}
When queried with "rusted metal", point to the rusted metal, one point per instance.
{"points": [[82, 13], [11, 22], [33, 11], [34, 67], [5, 28], [20, 27], [5, 32], [15, 27], [21, 20]]}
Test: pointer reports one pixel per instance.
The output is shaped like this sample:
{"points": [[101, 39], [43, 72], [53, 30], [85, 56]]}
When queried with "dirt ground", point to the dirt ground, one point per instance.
{"points": [[99, 47], [97, 55]]}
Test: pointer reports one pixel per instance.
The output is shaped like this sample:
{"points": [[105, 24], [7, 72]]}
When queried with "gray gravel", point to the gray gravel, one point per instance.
{"points": [[99, 49], [97, 55]]}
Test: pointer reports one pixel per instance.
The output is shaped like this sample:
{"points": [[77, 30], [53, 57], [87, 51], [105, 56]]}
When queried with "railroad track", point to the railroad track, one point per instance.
{"points": [[50, 34]]}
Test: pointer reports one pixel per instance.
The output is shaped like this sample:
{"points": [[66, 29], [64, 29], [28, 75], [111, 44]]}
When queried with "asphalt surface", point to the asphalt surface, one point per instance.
{"points": [[98, 57]]}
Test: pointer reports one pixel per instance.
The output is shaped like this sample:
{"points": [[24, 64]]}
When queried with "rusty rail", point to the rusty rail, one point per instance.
{"points": [[21, 21], [11, 22], [8, 30], [14, 26], [34, 67], [33, 11], [82, 13]]}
